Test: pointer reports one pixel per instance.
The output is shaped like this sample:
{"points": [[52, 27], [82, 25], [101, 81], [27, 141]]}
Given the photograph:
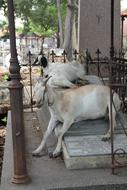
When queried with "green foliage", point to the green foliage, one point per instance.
{"points": [[39, 16], [5, 77], [3, 5], [44, 17], [3, 24]]}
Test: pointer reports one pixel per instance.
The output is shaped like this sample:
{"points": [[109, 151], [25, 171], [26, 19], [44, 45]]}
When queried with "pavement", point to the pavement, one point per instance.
{"points": [[51, 174]]}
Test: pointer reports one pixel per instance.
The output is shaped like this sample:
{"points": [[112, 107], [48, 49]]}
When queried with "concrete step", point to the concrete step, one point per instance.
{"points": [[82, 152], [83, 146]]}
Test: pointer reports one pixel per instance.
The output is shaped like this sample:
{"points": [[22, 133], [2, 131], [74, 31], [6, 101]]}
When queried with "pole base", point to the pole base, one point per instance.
{"points": [[20, 179]]}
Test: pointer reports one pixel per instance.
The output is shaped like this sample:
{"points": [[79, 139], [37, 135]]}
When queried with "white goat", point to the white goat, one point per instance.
{"points": [[64, 74], [72, 105]]}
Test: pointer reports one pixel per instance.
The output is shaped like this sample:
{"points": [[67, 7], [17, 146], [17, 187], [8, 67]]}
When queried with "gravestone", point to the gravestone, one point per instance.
{"points": [[95, 25], [83, 146]]}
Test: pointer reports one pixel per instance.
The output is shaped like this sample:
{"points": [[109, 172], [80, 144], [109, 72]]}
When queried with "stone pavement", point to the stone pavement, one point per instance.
{"points": [[51, 174]]}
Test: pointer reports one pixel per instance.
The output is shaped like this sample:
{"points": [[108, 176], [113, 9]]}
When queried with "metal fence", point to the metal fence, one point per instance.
{"points": [[113, 72]]}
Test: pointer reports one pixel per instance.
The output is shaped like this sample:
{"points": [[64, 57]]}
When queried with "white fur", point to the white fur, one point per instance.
{"points": [[63, 74], [72, 105]]}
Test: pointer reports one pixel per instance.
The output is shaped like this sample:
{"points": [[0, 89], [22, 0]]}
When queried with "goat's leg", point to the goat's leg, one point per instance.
{"points": [[57, 129], [107, 136], [61, 82], [50, 128], [64, 129], [92, 79]]}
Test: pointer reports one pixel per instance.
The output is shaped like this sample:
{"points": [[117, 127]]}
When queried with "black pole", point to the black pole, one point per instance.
{"points": [[122, 20], [111, 94], [112, 29], [16, 101], [30, 72]]}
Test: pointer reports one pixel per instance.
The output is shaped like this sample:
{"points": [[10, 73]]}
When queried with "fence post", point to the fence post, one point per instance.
{"points": [[52, 54], [16, 101], [30, 72], [98, 52], [64, 54]]}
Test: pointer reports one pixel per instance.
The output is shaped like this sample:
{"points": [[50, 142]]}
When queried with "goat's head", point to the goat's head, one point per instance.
{"points": [[41, 60], [40, 90]]}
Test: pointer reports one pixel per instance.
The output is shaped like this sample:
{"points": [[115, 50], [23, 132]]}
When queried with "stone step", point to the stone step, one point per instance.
{"points": [[81, 152], [83, 146]]}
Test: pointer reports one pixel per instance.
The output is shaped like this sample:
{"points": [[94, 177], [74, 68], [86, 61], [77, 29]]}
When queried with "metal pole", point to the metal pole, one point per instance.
{"points": [[122, 20], [111, 95], [30, 72], [16, 101], [112, 29]]}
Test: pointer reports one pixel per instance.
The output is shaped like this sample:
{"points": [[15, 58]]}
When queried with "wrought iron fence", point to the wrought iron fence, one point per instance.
{"points": [[112, 72]]}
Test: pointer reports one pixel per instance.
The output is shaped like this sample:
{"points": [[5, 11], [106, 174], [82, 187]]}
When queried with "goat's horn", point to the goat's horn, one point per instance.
{"points": [[47, 80]]}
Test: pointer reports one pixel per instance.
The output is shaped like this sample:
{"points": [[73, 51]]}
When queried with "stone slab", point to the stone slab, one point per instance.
{"points": [[83, 146], [93, 145], [94, 127], [83, 152]]}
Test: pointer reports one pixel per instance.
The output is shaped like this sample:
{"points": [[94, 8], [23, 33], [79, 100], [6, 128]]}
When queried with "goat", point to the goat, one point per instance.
{"points": [[64, 75], [72, 105]]}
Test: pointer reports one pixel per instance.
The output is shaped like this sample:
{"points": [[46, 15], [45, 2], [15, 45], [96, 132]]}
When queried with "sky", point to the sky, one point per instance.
{"points": [[18, 22], [123, 4]]}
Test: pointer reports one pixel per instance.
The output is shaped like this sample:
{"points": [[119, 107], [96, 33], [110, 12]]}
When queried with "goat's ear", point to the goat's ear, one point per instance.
{"points": [[35, 61]]}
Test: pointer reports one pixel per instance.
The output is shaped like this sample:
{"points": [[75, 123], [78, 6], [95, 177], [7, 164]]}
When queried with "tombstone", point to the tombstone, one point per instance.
{"points": [[95, 25]]}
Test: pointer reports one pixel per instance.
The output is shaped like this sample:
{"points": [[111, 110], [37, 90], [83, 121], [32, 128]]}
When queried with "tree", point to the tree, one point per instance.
{"points": [[70, 24], [60, 28], [23, 11], [48, 17], [3, 5]]}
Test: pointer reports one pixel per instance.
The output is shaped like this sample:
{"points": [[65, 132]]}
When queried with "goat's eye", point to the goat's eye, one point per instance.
{"points": [[46, 76]]}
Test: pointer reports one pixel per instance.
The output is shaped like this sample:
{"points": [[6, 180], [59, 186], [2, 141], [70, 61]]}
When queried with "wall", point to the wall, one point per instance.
{"points": [[94, 25]]}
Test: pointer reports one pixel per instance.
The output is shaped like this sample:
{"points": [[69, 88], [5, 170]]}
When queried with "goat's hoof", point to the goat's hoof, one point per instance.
{"points": [[36, 154], [105, 138], [50, 154], [54, 155], [58, 154]]}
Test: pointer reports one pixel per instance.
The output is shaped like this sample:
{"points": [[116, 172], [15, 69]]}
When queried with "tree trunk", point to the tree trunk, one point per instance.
{"points": [[41, 50], [68, 34], [74, 34], [60, 30]]}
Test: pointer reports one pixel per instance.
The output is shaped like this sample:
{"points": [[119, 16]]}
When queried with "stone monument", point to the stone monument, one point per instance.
{"points": [[95, 25]]}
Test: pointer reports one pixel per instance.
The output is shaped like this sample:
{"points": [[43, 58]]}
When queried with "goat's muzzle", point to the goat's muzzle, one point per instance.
{"points": [[38, 104]]}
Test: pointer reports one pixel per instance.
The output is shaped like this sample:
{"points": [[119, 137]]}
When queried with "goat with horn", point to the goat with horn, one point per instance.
{"points": [[73, 105], [64, 74]]}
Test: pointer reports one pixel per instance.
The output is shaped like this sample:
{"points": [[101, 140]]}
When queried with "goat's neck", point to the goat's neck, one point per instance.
{"points": [[52, 95], [49, 95]]}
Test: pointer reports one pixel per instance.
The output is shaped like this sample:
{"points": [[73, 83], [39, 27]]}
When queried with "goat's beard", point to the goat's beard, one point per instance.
{"points": [[39, 103]]}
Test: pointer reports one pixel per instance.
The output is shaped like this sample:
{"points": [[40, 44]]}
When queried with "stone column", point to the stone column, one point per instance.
{"points": [[95, 26]]}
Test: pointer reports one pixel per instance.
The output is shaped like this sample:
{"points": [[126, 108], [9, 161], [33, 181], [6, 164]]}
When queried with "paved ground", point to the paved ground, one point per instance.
{"points": [[51, 174]]}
